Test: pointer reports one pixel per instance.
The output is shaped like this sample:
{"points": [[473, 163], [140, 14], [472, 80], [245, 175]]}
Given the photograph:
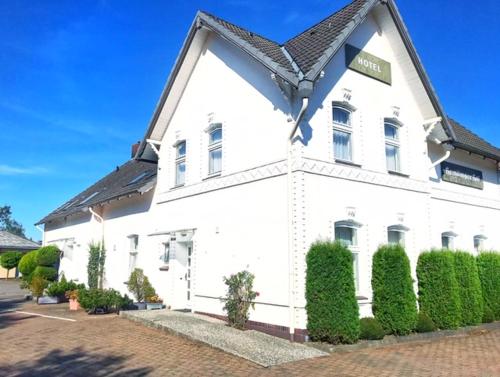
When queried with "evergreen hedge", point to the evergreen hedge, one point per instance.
{"points": [[48, 256], [469, 285], [394, 301], [438, 293], [488, 264], [332, 309]]}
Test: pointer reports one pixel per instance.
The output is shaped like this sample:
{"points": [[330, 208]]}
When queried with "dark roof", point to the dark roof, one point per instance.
{"points": [[466, 139], [268, 47], [9, 241], [307, 47], [133, 177]]}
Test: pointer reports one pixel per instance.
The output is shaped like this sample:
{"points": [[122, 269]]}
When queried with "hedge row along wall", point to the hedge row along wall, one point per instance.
{"points": [[469, 288], [488, 264], [332, 309], [438, 292], [394, 301]]}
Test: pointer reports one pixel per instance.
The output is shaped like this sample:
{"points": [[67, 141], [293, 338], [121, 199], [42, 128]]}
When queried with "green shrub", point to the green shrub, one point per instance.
{"points": [[108, 300], [46, 273], [138, 284], [438, 293], [239, 298], [95, 265], [488, 315], [371, 329], [38, 285], [59, 288], [469, 288], [425, 323], [488, 264], [48, 256], [27, 264], [394, 301], [332, 309], [9, 260]]}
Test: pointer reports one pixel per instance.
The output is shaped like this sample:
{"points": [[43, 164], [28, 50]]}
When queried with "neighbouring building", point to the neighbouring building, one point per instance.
{"points": [[256, 149], [13, 242]]}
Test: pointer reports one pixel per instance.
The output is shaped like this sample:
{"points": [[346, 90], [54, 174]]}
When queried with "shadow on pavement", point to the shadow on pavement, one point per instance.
{"points": [[74, 363]]}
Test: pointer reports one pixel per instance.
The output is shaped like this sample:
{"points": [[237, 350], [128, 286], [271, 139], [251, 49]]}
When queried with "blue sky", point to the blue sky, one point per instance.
{"points": [[79, 80]]}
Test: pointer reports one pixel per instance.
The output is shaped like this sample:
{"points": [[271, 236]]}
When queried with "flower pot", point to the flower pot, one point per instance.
{"points": [[43, 300], [74, 304], [154, 305]]}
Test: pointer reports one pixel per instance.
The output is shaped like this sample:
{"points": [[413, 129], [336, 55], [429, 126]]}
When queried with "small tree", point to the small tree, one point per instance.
{"points": [[239, 298], [332, 309], [139, 285], [394, 301], [438, 293], [469, 287], [95, 266], [10, 260]]}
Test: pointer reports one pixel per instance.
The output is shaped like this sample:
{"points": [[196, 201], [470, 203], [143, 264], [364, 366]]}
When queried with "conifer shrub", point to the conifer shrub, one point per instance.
{"points": [[488, 315], [46, 273], [371, 329], [488, 264], [48, 256], [438, 292], [332, 309], [27, 265], [394, 301], [469, 287], [425, 323]]}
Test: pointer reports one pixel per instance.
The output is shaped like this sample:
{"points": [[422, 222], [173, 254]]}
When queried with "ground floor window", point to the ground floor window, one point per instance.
{"points": [[396, 234], [448, 240], [479, 242], [347, 233]]}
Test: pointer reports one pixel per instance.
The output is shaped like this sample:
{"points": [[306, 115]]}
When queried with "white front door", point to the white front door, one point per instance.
{"points": [[183, 275], [189, 275]]}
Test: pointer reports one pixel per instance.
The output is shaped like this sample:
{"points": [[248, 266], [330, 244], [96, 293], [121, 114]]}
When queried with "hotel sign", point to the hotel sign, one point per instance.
{"points": [[367, 64], [461, 175]]}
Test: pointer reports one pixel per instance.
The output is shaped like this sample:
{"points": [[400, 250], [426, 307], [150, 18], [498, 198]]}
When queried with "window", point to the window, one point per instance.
{"points": [[392, 153], [180, 163], [342, 134], [166, 253], [133, 246], [347, 233], [479, 242], [448, 240], [396, 234], [215, 149]]}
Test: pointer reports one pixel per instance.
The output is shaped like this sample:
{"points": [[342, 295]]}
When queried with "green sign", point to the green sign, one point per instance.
{"points": [[367, 64], [461, 175]]}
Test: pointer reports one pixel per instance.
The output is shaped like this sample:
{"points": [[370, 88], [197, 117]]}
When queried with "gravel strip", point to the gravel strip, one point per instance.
{"points": [[260, 348]]}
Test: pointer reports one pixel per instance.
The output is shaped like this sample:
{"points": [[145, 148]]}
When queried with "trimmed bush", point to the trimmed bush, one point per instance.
{"points": [[488, 315], [48, 256], [394, 301], [488, 264], [46, 273], [371, 329], [108, 300], [438, 292], [9, 260], [425, 323], [332, 309], [28, 263], [469, 288]]}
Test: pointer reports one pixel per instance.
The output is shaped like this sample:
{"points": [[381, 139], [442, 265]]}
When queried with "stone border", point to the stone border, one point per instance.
{"points": [[390, 340]]}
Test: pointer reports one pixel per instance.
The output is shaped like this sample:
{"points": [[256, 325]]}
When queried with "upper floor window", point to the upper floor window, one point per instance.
{"points": [[448, 240], [342, 134], [479, 242], [180, 163], [396, 234], [346, 232], [215, 148], [392, 146]]}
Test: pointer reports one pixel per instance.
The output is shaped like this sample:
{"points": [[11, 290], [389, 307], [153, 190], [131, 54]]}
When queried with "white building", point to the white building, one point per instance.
{"points": [[257, 149]]}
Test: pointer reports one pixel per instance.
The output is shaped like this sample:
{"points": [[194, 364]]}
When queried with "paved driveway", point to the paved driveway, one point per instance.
{"points": [[83, 345]]}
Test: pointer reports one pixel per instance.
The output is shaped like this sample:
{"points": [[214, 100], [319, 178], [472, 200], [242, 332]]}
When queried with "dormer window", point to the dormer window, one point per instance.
{"points": [[180, 163], [215, 148]]}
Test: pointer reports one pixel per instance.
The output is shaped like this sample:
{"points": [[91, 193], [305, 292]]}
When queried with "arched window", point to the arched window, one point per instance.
{"points": [[448, 240], [346, 231], [392, 144], [214, 148], [396, 234], [342, 130]]}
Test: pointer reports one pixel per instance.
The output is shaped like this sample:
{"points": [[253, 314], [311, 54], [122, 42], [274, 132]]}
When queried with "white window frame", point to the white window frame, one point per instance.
{"points": [[395, 143], [478, 240], [344, 128], [354, 247], [180, 159], [400, 230], [450, 236], [214, 146], [133, 250]]}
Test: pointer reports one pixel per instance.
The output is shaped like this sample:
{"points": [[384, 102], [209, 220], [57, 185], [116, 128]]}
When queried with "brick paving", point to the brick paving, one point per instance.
{"points": [[112, 346]]}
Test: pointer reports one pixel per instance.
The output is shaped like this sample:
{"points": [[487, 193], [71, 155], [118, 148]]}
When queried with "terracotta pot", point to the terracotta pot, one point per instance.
{"points": [[74, 304]]}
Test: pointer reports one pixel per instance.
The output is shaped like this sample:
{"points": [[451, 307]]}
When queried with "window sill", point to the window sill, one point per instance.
{"points": [[361, 298], [345, 162], [210, 176], [177, 187], [398, 174], [164, 268]]}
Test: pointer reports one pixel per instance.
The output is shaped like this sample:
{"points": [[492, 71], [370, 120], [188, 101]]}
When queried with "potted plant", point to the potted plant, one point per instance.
{"points": [[138, 284], [56, 291], [72, 296], [154, 302]]}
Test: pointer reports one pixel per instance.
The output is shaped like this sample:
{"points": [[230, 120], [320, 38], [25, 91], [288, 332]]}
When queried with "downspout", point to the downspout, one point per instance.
{"points": [[43, 233], [447, 154], [101, 220], [291, 269]]}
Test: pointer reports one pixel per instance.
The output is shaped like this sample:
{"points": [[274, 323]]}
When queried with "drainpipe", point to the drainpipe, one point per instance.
{"points": [[100, 219], [291, 271], [447, 154], [43, 233]]}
